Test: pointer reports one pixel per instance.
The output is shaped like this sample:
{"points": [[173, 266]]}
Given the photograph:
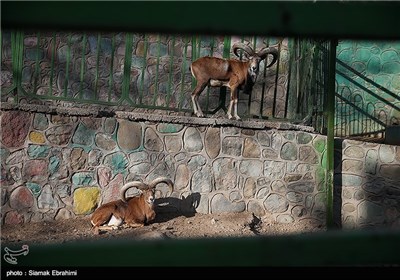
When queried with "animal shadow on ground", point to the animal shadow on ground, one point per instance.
{"points": [[168, 208]]}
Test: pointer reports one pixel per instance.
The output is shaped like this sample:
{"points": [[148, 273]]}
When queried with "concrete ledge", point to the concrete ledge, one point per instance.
{"points": [[139, 115]]}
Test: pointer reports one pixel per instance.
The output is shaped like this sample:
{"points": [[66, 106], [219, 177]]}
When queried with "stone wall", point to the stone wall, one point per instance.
{"points": [[60, 166], [57, 166], [367, 184]]}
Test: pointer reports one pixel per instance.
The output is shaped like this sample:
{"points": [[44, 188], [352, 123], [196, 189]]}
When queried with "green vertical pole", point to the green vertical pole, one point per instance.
{"points": [[157, 70], [171, 71], [83, 63], [111, 80], [330, 134], [96, 78], [127, 68], [37, 65], [142, 89], [226, 54], [182, 96], [67, 65], [17, 52]]}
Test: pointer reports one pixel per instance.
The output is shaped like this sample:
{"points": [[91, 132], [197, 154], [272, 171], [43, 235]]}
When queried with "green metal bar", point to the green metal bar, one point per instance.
{"points": [[331, 248], [157, 70], [182, 95], [251, 92], [17, 43], [226, 54], [208, 88], [110, 81], [1, 45], [293, 18], [4, 91], [194, 57], [276, 81], [37, 68], [68, 62], [83, 63], [96, 78], [260, 113], [289, 82], [143, 69], [53, 54], [330, 134], [170, 75], [127, 67]]}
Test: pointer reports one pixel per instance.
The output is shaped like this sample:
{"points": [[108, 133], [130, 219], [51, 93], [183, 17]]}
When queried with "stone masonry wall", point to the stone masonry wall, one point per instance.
{"points": [[367, 184], [57, 166]]}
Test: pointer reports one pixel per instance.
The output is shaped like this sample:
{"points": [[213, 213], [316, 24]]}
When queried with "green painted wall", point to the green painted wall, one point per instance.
{"points": [[375, 64]]}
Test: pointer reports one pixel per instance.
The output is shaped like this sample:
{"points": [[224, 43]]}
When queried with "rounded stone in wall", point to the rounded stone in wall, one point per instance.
{"points": [[232, 146], [109, 125], [192, 140], [250, 187], [21, 198], [105, 142], [152, 141], [251, 148], [262, 193], [354, 152], [202, 181], [220, 204], [40, 121], [263, 138], [276, 203], [294, 197], [13, 218], [299, 211], [387, 153], [63, 214], [224, 173], [256, 207], [303, 138], [212, 141], [285, 219], [348, 208], [173, 143], [278, 186], [14, 127], [129, 135], [182, 177], [308, 155], [359, 195], [349, 222]]}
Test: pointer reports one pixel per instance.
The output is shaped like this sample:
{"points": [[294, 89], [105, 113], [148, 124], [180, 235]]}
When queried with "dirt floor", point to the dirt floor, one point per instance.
{"points": [[166, 225]]}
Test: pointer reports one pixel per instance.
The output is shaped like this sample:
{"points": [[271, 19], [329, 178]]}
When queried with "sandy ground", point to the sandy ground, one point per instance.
{"points": [[166, 225]]}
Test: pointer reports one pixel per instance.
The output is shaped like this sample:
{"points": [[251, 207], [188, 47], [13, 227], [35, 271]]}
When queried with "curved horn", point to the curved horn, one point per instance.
{"points": [[136, 184], [241, 46], [266, 51], [159, 180]]}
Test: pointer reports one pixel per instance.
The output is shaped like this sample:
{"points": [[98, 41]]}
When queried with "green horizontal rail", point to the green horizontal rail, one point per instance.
{"points": [[284, 18], [332, 248]]}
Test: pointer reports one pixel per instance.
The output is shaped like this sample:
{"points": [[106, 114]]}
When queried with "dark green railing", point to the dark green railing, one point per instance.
{"points": [[152, 71], [364, 108]]}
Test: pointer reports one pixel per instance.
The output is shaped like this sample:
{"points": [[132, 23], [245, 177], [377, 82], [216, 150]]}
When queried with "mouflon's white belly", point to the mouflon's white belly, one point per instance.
{"points": [[114, 221]]}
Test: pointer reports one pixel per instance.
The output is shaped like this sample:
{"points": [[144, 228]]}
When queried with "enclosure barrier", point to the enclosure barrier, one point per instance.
{"points": [[334, 248], [152, 71]]}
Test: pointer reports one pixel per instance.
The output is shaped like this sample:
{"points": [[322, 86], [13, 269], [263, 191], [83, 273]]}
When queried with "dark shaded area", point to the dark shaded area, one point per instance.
{"points": [[375, 19], [168, 208]]}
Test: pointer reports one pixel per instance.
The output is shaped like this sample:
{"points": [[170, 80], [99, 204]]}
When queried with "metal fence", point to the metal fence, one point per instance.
{"points": [[364, 108], [152, 71]]}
